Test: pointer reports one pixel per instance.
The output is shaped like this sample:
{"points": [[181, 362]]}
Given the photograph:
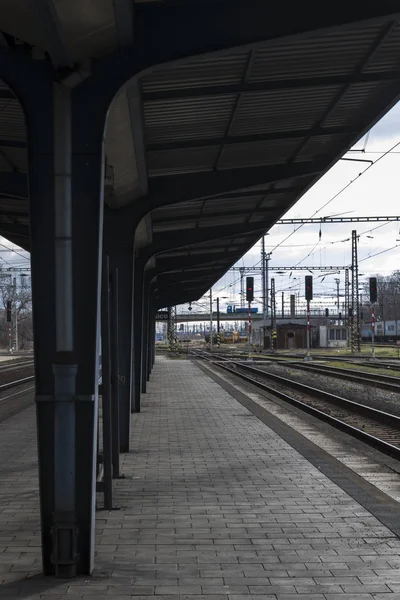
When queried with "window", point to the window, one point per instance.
{"points": [[338, 334], [344, 334], [331, 334]]}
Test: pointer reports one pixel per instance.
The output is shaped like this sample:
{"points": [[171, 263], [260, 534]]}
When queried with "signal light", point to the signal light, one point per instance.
{"points": [[8, 311], [327, 312], [309, 287], [373, 292], [249, 289]]}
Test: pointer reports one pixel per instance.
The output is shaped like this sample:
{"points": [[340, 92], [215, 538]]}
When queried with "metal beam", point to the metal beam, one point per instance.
{"points": [[270, 86], [336, 220], [221, 215], [7, 229], [14, 184], [249, 139], [48, 17], [13, 143], [198, 186], [164, 34], [162, 242], [165, 265], [123, 13], [326, 268], [7, 94], [188, 275]]}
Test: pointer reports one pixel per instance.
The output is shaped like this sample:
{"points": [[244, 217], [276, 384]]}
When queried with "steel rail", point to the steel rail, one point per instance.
{"points": [[380, 417]]}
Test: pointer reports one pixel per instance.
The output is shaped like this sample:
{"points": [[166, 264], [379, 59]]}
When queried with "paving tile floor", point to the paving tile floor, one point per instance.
{"points": [[214, 505]]}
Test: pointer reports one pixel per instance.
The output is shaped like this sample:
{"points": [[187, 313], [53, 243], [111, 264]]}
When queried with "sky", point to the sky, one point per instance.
{"points": [[374, 193]]}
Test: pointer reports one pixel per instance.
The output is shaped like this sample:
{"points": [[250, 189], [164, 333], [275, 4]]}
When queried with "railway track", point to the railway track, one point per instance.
{"points": [[375, 427], [15, 395], [386, 382]]}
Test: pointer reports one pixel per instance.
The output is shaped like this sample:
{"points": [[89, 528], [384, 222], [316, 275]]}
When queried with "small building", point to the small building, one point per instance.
{"points": [[332, 336], [290, 335]]}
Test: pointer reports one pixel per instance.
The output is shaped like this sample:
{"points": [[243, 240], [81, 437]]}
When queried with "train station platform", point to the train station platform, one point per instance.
{"points": [[214, 504]]}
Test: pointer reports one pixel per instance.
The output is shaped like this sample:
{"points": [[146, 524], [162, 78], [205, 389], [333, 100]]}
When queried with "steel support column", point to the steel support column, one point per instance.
{"points": [[124, 262], [151, 325], [66, 181], [138, 274], [145, 329]]}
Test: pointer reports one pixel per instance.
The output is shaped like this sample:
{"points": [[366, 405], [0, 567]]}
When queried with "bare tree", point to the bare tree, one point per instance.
{"points": [[387, 307], [17, 290]]}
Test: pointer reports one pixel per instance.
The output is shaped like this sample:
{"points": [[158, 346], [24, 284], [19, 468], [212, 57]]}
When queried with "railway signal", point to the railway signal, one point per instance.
{"points": [[8, 311], [309, 288], [249, 289], [373, 292], [249, 298], [309, 296], [373, 297]]}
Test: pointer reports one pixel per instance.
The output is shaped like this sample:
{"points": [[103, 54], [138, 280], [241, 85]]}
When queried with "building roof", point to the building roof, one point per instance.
{"points": [[229, 139]]}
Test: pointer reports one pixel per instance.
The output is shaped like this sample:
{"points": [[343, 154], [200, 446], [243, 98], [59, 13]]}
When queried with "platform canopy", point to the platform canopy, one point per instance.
{"points": [[244, 105]]}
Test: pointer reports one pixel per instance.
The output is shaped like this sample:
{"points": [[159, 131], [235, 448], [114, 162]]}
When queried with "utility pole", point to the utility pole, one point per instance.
{"points": [[264, 289], [218, 327], [355, 305], [273, 315], [346, 302], [15, 314], [283, 305], [211, 321], [337, 281], [242, 271]]}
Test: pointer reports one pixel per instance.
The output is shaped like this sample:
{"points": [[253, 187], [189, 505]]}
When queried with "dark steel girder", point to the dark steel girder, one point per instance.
{"points": [[165, 265], [275, 136], [164, 300], [14, 184], [293, 191], [165, 33], [163, 242], [12, 229], [202, 284], [166, 190], [13, 143], [267, 86], [188, 275], [273, 212], [7, 94]]}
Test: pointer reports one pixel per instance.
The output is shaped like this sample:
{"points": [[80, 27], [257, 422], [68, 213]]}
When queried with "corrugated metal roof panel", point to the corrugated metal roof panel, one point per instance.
{"points": [[281, 110], [387, 57], [220, 220], [191, 160], [12, 122], [195, 118], [335, 53], [18, 157], [231, 204], [159, 227], [319, 146], [201, 72], [257, 153], [349, 109], [177, 210], [275, 200]]}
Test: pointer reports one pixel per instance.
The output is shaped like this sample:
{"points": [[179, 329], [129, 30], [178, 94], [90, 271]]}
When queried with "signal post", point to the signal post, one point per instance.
{"points": [[373, 296], [309, 296], [249, 298]]}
